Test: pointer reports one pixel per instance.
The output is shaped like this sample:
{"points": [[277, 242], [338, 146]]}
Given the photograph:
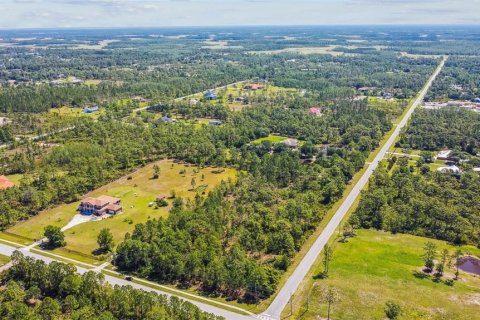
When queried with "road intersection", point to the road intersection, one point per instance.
{"points": [[283, 297]]}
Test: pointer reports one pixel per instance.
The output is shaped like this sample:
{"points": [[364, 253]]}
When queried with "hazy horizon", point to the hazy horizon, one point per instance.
{"points": [[20, 14]]}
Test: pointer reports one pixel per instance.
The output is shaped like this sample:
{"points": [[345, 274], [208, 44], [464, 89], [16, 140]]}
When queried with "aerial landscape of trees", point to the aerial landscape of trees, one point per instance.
{"points": [[293, 165], [31, 289]]}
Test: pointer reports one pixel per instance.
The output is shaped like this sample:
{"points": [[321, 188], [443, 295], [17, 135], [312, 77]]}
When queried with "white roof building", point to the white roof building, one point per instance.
{"points": [[452, 169]]}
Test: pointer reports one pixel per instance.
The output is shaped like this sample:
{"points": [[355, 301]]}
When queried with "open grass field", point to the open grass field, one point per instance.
{"points": [[4, 260], [393, 106], [74, 112], [136, 193], [375, 267], [272, 138], [15, 178], [92, 82], [304, 50]]}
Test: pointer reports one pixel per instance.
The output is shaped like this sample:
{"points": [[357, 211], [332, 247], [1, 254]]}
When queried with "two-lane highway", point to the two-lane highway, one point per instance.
{"points": [[283, 297]]}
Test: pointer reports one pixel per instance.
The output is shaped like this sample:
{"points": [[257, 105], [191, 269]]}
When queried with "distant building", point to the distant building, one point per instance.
{"points": [[167, 120], [253, 86], [193, 102], [139, 99], [291, 143], [210, 95], [4, 121], [215, 122], [444, 155], [452, 169], [315, 111], [387, 96], [100, 206], [91, 109], [5, 183]]}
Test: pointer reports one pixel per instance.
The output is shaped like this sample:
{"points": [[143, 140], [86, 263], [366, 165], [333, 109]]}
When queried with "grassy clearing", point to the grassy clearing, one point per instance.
{"points": [[15, 178], [92, 82], [73, 112], [304, 50], [395, 107], [375, 267], [136, 193], [4, 260], [271, 138]]}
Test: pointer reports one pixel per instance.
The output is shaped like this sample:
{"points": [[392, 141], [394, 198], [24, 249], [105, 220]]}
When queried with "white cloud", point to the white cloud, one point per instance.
{"points": [[129, 13]]}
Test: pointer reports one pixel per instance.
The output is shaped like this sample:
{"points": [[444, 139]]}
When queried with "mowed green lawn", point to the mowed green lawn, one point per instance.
{"points": [[4, 260], [135, 193], [272, 138], [375, 267]]}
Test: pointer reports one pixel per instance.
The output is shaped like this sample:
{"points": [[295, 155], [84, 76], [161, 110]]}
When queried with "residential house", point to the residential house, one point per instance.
{"points": [[100, 206], [315, 111], [210, 95], [253, 86], [91, 109], [167, 120], [291, 143], [452, 169], [215, 122], [5, 183], [4, 121], [444, 155]]}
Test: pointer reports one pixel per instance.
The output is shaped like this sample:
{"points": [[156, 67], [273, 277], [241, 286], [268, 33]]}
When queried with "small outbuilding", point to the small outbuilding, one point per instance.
{"points": [[91, 109]]}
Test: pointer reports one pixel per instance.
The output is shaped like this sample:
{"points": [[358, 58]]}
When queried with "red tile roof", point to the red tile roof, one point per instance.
{"points": [[314, 110], [5, 183]]}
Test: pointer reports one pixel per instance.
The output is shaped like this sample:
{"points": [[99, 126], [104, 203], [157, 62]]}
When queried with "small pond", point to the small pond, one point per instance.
{"points": [[470, 264]]}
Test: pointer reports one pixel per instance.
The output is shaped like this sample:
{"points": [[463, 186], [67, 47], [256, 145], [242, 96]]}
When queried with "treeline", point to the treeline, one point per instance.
{"points": [[34, 290], [451, 128], [160, 85], [246, 232], [459, 80], [431, 204]]}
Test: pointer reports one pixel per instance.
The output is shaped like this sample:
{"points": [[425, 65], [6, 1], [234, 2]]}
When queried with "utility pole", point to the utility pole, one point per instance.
{"points": [[291, 304]]}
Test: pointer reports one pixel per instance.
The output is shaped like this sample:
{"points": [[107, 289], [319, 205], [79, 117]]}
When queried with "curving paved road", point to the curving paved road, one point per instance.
{"points": [[281, 300], [7, 250]]}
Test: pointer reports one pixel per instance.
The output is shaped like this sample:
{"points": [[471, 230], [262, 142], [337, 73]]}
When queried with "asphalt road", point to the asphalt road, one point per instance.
{"points": [[40, 136], [8, 250], [284, 295], [282, 299], [194, 94]]}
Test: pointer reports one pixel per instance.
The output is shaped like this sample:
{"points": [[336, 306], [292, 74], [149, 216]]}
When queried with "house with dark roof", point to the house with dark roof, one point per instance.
{"points": [[100, 206], [167, 120], [210, 95]]}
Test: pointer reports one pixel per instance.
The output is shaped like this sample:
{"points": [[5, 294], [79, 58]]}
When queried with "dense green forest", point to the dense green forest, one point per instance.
{"points": [[451, 128], [432, 204], [34, 290], [459, 80], [94, 153], [236, 241]]}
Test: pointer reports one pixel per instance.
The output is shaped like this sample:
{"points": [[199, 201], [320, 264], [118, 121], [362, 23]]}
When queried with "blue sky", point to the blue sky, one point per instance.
{"points": [[137, 13]]}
